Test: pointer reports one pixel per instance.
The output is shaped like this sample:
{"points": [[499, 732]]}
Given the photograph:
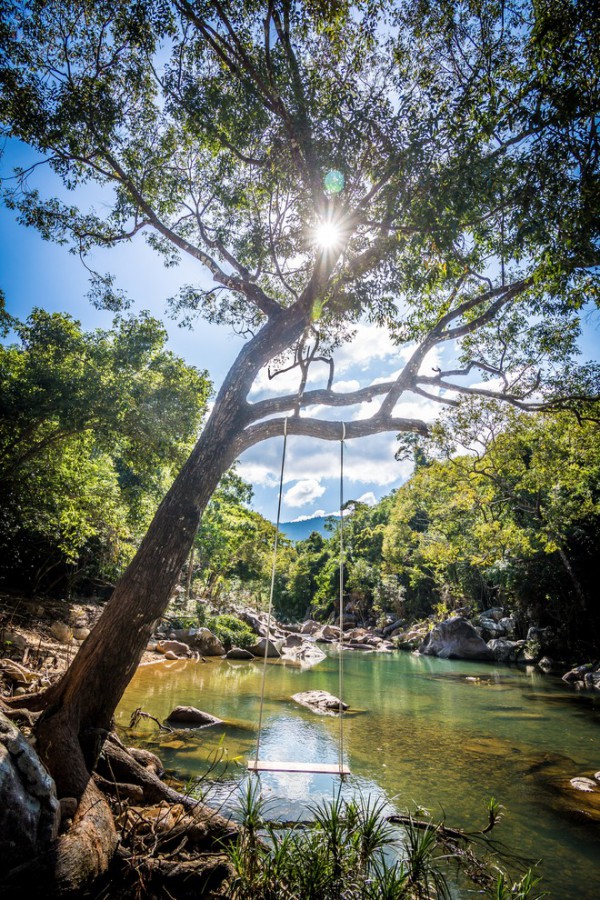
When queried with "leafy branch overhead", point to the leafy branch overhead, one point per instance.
{"points": [[463, 140]]}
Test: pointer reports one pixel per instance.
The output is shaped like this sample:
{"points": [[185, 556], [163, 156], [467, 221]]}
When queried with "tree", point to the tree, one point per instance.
{"points": [[517, 517], [92, 428], [234, 543], [446, 154]]}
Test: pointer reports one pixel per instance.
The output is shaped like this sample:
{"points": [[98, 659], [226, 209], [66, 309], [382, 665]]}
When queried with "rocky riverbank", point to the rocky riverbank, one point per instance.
{"points": [[39, 640]]}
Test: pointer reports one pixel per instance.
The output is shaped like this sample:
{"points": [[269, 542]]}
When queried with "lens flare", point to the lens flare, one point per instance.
{"points": [[327, 235]]}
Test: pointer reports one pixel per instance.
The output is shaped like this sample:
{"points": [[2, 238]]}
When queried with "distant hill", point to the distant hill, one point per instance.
{"points": [[299, 531]]}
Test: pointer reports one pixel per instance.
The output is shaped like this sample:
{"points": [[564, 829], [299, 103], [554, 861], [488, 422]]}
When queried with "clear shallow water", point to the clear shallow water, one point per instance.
{"points": [[419, 733]]}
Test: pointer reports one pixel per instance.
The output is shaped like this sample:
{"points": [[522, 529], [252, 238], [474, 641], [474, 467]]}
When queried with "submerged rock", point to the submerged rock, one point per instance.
{"points": [[192, 717], [320, 701], [455, 639]]}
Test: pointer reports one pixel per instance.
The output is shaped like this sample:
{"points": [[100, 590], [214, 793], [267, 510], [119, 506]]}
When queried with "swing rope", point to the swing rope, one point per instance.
{"points": [[271, 592], [341, 638], [255, 765]]}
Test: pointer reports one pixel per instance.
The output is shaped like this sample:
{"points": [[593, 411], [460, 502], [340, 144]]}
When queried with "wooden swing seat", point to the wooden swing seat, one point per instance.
{"points": [[269, 765]]}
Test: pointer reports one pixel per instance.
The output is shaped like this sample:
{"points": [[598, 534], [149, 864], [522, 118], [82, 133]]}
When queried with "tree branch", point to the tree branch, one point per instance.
{"points": [[326, 431], [250, 290]]}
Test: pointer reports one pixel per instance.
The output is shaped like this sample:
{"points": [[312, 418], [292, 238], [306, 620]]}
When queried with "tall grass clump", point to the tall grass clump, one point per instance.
{"points": [[349, 850]]}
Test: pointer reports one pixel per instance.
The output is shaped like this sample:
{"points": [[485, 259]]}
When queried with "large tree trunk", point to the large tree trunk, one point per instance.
{"points": [[84, 701], [77, 711]]}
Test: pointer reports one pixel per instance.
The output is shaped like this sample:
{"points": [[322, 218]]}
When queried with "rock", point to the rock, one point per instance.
{"points": [[183, 634], [176, 648], [253, 621], [29, 812], [504, 650], [320, 701], [293, 640], [592, 680], [389, 629], [508, 624], [455, 639], [192, 717], [80, 634], [170, 654], [309, 627], [580, 783], [490, 628], [327, 634], [494, 612], [577, 674], [12, 639], [259, 649], [238, 653], [208, 643], [61, 632], [546, 664], [306, 655]]}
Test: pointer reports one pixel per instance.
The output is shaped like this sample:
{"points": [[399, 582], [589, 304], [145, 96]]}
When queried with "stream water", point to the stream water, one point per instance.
{"points": [[443, 735]]}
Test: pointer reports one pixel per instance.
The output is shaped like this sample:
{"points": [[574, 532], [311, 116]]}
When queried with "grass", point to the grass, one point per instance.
{"points": [[349, 851]]}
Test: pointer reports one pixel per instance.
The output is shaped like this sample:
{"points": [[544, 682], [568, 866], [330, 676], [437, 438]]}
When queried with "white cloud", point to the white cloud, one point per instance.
{"points": [[312, 515], [344, 387], [303, 492], [257, 473], [369, 498]]}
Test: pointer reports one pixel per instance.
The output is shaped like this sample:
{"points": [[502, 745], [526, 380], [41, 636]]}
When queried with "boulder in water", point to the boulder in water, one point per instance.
{"points": [[455, 639], [238, 653], [320, 701], [192, 717], [259, 649], [208, 643]]}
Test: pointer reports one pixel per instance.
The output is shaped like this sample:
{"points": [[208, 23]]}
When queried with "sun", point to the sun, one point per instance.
{"points": [[327, 234]]}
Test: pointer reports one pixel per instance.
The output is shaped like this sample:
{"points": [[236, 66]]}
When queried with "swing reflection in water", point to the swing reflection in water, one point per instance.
{"points": [[257, 765]]}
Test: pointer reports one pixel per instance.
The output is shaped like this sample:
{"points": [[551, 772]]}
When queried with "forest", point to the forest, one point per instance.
{"points": [[501, 508], [304, 170]]}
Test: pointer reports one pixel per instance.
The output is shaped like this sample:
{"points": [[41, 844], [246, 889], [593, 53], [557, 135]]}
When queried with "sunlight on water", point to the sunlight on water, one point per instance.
{"points": [[444, 735]]}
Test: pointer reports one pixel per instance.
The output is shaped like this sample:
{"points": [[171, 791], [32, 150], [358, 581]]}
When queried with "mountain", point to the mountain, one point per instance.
{"points": [[299, 531]]}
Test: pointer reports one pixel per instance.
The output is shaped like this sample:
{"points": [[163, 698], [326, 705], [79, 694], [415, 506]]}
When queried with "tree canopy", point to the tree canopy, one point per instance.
{"points": [[93, 426], [452, 149]]}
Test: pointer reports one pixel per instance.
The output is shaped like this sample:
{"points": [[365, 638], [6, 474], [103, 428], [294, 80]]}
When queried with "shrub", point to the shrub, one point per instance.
{"points": [[231, 631]]}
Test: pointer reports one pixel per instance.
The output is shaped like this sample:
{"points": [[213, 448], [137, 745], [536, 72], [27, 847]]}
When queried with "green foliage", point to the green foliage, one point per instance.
{"points": [[350, 851], [234, 544], [462, 137], [231, 631], [513, 520], [92, 426], [341, 855]]}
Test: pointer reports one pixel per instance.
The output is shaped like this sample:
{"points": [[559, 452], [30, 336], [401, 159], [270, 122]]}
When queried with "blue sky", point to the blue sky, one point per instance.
{"points": [[37, 273]]}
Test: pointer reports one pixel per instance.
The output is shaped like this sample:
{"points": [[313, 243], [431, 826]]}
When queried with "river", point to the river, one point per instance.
{"points": [[438, 734]]}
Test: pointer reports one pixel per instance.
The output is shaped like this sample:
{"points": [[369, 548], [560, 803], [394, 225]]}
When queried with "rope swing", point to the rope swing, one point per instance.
{"points": [[256, 764]]}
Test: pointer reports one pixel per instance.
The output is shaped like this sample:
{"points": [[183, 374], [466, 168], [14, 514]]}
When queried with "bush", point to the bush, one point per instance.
{"points": [[231, 631]]}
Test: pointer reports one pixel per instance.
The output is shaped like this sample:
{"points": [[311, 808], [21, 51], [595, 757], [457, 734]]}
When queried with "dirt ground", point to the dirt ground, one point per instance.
{"points": [[43, 636]]}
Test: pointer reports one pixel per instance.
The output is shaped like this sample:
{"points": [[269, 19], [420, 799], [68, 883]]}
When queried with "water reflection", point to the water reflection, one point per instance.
{"points": [[445, 735]]}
